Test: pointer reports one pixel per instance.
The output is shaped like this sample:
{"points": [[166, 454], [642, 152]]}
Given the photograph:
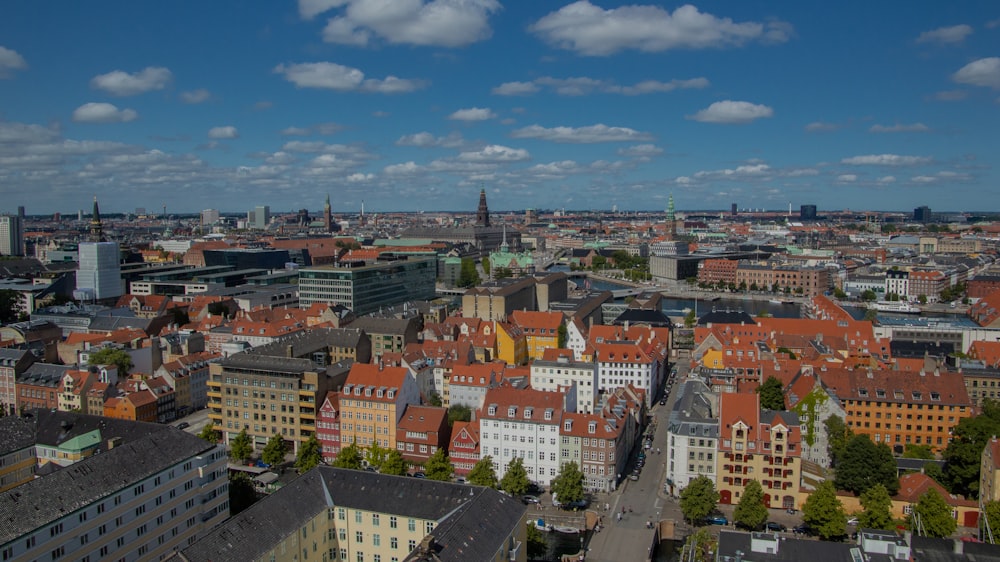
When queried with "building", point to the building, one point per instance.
{"points": [[756, 444], [557, 369], [871, 545], [989, 472], [464, 447], [496, 300], [13, 362], [11, 235], [366, 287], [332, 514], [209, 217], [99, 276], [693, 434], [525, 424], [897, 282], [137, 502], [421, 431], [468, 383], [373, 401], [809, 281], [38, 386], [17, 452], [328, 427], [807, 212], [483, 235], [541, 330], [923, 214], [259, 218], [389, 335], [713, 272], [641, 363], [591, 441]]}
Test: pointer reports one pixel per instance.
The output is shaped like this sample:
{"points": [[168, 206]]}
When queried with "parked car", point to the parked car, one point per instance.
{"points": [[419, 475], [716, 520], [663, 401], [634, 476], [774, 526], [802, 529], [528, 499], [183, 425]]}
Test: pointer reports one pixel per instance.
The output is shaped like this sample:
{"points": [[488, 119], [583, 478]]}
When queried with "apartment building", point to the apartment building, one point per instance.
{"points": [[350, 515], [557, 369], [805, 280], [13, 362], [137, 502], [373, 401], [421, 431], [715, 271], [591, 442], [524, 423], [928, 284], [328, 427], [756, 444], [541, 330], [693, 435], [38, 386], [638, 363], [468, 384], [463, 450]]}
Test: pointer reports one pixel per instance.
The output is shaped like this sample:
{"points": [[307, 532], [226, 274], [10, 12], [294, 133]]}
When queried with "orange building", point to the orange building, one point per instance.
{"points": [[137, 406], [541, 330], [372, 402]]}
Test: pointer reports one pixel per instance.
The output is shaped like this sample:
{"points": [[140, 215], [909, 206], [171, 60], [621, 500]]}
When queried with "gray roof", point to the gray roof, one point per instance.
{"points": [[15, 434], [953, 550], [476, 531], [45, 500], [254, 532], [55, 427], [309, 341], [112, 323], [9, 356], [374, 325], [43, 374], [272, 364]]}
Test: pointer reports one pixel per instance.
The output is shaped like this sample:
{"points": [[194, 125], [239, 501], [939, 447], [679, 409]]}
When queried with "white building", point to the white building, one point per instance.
{"points": [[557, 369], [523, 423], [622, 363], [209, 216], [11, 235], [692, 436], [99, 276]]}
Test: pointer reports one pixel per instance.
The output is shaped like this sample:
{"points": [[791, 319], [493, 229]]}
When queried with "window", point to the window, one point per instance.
{"points": [[411, 525], [359, 537], [393, 543], [392, 522]]}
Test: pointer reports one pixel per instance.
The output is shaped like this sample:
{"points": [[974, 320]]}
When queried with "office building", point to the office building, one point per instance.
{"points": [[99, 276], [11, 235], [807, 212], [923, 214], [259, 217], [366, 287], [209, 216]]}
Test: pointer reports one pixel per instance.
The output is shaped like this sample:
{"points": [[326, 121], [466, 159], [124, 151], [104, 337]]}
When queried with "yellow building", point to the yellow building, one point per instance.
{"points": [[336, 515], [512, 346], [541, 330], [372, 401]]}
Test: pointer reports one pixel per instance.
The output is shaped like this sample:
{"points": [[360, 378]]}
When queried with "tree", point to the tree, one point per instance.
{"points": [[868, 295], [991, 517], [435, 400], [963, 455], [933, 471], [877, 506], [274, 452], [690, 319], [515, 480], [837, 435], [240, 448], [699, 499], [922, 299], [376, 455], [208, 433], [918, 452], [704, 545], [310, 455], [537, 546], [932, 516], [459, 412], [824, 513], [751, 510], [348, 457], [865, 464], [394, 464], [839, 293], [486, 265], [468, 277], [568, 484], [9, 306], [772, 395], [112, 356], [482, 474], [241, 491], [563, 334], [439, 467]]}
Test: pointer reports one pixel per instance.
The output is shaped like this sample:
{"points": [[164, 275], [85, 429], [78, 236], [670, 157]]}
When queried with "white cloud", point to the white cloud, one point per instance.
{"points": [[942, 176], [900, 128], [886, 160], [224, 132], [515, 89], [295, 132], [495, 153], [847, 178], [946, 35], [10, 60], [200, 95], [950, 95], [745, 171], [641, 151], [591, 30], [103, 113], [332, 76], [318, 129], [820, 126], [439, 23], [424, 139], [982, 72], [732, 112], [655, 86], [120, 83], [358, 177], [581, 135], [473, 114], [404, 169], [885, 180]]}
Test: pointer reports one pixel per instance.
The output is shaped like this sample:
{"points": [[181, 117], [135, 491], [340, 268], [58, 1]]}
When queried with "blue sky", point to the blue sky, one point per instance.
{"points": [[418, 104]]}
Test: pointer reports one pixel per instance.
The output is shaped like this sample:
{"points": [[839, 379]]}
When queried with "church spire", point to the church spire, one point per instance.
{"points": [[483, 212], [96, 228]]}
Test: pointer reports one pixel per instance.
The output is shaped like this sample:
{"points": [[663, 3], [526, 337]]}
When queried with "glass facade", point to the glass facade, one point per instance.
{"points": [[365, 289]]}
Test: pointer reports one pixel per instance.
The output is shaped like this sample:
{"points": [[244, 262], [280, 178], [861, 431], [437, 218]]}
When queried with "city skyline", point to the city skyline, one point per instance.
{"points": [[417, 105]]}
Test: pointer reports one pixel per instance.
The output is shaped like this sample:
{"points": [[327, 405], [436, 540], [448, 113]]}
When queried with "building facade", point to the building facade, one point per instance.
{"points": [[11, 235], [99, 276], [557, 369], [523, 423], [366, 288]]}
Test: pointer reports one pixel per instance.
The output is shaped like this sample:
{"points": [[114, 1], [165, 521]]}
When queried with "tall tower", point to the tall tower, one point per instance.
{"points": [[327, 219], [671, 218], [483, 212], [96, 228]]}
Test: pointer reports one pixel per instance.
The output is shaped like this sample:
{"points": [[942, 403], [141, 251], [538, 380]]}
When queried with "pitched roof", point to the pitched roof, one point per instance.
{"points": [[916, 484], [528, 404]]}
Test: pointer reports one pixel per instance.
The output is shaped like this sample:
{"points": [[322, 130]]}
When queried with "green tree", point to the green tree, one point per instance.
{"points": [[376, 455], [274, 452], [568, 484], [459, 412], [394, 464], [240, 448], [310, 455], [868, 295], [241, 491], [486, 265], [932, 516], [918, 452], [690, 319], [208, 433], [824, 513], [837, 435], [468, 276], [9, 306], [563, 336], [704, 544], [963, 455], [435, 400], [934, 471], [348, 457], [991, 517], [839, 293], [515, 479], [865, 464], [112, 356], [482, 474], [922, 299], [751, 510], [772, 395], [439, 467], [877, 506], [537, 546], [699, 499]]}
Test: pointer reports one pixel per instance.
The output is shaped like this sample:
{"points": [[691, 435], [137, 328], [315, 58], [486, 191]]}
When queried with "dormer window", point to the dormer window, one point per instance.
{"points": [[898, 394], [568, 425], [863, 392], [392, 393], [880, 393], [592, 427], [368, 391], [548, 414], [917, 395], [492, 410], [511, 411], [357, 391], [379, 393], [936, 396], [527, 413]]}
